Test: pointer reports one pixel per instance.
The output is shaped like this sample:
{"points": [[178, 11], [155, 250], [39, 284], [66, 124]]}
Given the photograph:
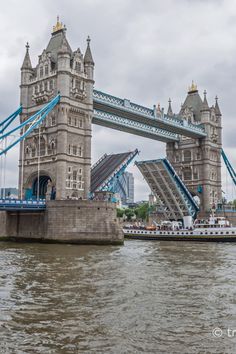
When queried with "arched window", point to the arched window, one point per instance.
{"points": [[187, 155], [33, 151], [42, 147]]}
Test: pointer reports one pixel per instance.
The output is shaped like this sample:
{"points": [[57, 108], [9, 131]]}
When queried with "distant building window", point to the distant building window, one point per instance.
{"points": [[80, 123], [80, 151], [69, 120], [41, 71], [46, 69]]}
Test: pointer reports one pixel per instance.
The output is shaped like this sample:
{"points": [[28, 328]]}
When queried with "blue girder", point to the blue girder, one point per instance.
{"points": [[191, 203], [6, 122], [35, 119], [229, 166]]}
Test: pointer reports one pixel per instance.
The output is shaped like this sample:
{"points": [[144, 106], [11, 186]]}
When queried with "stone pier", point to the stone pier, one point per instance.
{"points": [[64, 221]]}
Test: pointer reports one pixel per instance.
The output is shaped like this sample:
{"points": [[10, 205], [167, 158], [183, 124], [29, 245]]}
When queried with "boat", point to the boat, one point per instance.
{"points": [[214, 229]]}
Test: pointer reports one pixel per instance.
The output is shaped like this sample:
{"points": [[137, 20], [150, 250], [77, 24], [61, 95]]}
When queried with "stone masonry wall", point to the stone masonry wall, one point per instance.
{"points": [[68, 221]]}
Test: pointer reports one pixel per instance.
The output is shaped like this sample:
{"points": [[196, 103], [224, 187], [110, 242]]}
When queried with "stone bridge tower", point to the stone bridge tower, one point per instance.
{"points": [[60, 151], [198, 162]]}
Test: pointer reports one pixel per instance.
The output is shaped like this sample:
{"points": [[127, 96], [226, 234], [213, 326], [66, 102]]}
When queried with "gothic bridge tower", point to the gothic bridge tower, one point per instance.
{"points": [[60, 151], [198, 162]]}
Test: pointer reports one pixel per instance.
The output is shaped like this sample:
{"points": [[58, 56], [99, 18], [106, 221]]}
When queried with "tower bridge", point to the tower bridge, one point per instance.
{"points": [[55, 158]]}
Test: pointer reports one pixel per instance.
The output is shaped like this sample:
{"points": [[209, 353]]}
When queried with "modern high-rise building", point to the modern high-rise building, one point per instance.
{"points": [[125, 187]]}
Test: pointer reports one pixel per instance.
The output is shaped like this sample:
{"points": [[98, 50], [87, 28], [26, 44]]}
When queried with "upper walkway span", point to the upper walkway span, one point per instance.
{"points": [[120, 108]]}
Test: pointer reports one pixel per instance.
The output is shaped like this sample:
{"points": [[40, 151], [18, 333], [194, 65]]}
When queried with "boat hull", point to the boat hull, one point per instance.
{"points": [[180, 237]]}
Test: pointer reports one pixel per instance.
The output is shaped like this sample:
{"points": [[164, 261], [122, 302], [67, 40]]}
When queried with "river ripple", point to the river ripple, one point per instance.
{"points": [[144, 297]]}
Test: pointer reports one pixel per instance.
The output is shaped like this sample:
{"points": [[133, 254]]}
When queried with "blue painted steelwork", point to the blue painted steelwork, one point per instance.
{"points": [[6, 122], [229, 167], [109, 184], [17, 204], [190, 202], [105, 102], [186, 196], [36, 119], [133, 127]]}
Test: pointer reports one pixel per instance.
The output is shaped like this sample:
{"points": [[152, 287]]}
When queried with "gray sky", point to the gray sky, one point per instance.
{"points": [[146, 51]]}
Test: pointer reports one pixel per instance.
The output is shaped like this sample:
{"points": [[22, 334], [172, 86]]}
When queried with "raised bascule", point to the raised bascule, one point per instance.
{"points": [[58, 106]]}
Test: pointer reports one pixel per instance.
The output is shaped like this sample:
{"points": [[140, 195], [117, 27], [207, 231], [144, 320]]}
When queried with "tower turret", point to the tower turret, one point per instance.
{"points": [[26, 73], [169, 112], [89, 69]]}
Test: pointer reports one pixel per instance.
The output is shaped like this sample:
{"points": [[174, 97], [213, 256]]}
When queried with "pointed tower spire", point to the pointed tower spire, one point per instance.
{"points": [[88, 59], [27, 62], [217, 108], [169, 112], [205, 105]]}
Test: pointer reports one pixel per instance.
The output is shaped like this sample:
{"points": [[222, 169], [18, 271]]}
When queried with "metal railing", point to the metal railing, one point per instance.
{"points": [[16, 204], [126, 105]]}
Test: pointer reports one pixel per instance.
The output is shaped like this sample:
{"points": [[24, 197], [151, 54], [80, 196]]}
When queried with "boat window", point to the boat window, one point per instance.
{"points": [[221, 233]]}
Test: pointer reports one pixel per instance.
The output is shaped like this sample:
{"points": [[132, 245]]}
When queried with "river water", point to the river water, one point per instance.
{"points": [[143, 297]]}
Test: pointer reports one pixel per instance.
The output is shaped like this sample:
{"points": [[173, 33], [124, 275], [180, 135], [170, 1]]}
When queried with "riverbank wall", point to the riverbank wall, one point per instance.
{"points": [[65, 221]]}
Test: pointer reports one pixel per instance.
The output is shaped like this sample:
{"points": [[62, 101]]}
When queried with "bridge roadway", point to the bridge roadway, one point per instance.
{"points": [[114, 112]]}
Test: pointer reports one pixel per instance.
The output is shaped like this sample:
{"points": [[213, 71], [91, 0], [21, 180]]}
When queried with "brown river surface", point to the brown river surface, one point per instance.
{"points": [[143, 297]]}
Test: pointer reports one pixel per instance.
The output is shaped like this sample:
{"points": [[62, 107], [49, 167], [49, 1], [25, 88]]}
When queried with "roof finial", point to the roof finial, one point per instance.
{"points": [[88, 40], [58, 26], [192, 88], [27, 46], [204, 93], [217, 108]]}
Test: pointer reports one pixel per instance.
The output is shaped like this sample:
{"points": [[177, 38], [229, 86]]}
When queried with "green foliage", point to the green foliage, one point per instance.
{"points": [[120, 212], [141, 212]]}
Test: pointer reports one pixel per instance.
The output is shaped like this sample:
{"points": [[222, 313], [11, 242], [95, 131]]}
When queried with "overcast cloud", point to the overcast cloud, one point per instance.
{"points": [[146, 51]]}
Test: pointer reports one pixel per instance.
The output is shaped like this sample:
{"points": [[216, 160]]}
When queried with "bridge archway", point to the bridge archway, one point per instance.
{"points": [[41, 185]]}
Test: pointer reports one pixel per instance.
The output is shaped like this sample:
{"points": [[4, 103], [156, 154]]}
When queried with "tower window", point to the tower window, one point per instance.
{"points": [[51, 85], [187, 155], [77, 66], [74, 150], [74, 175]]}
